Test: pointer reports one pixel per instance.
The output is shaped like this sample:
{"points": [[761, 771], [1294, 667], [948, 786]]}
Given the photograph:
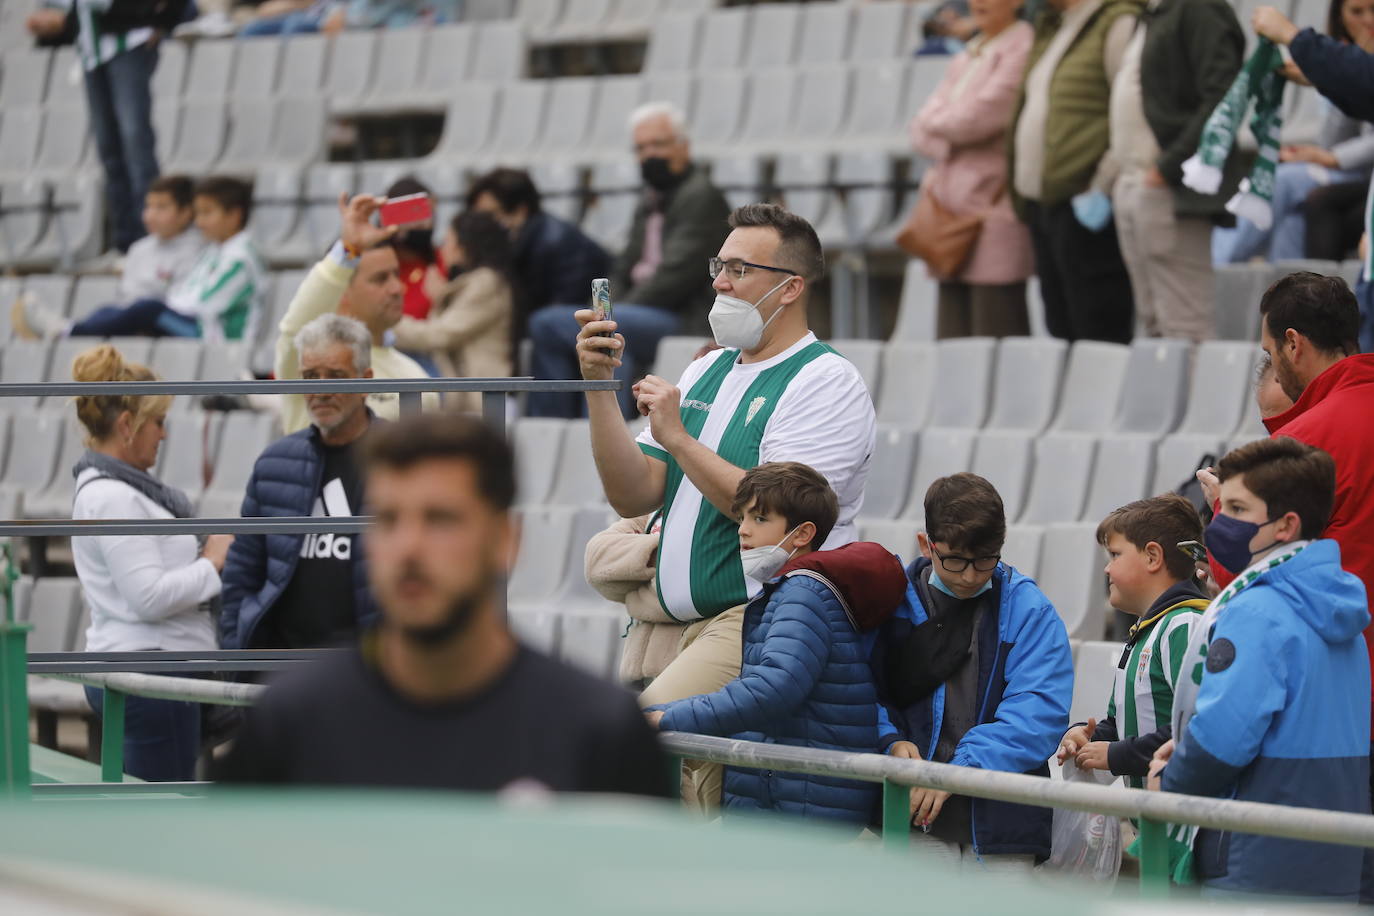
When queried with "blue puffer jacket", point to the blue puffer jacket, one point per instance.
{"points": [[805, 682], [1025, 679], [1282, 716], [285, 481]]}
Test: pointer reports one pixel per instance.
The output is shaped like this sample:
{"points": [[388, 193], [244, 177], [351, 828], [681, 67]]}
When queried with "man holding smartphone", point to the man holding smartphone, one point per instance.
{"points": [[774, 393]]}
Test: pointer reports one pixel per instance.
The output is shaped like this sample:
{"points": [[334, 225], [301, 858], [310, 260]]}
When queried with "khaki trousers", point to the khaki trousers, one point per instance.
{"points": [[1169, 259], [708, 658]]}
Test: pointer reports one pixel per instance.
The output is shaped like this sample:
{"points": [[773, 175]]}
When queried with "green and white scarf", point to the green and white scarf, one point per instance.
{"points": [[1259, 82], [1186, 692]]}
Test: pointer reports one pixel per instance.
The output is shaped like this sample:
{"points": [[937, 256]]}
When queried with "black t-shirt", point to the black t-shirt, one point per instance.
{"points": [[337, 722], [317, 607]]}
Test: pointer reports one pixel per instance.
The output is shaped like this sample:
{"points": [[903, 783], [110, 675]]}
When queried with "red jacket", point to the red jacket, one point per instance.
{"points": [[1336, 413]]}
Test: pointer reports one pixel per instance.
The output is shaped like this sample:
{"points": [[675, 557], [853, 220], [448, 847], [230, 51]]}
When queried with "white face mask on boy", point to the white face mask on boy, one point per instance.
{"points": [[763, 563], [735, 323]]}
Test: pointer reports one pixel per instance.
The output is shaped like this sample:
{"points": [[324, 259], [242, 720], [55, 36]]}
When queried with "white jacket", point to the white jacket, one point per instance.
{"points": [[144, 591]]}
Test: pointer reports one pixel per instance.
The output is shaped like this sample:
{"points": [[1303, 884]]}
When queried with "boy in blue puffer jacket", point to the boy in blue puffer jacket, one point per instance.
{"points": [[973, 670], [805, 678], [1274, 703]]}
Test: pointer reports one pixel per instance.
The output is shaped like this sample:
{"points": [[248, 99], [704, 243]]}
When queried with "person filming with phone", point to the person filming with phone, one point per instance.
{"points": [[773, 393], [359, 278]]}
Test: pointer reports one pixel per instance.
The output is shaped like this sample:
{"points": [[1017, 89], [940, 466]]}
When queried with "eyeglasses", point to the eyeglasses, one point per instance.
{"points": [[737, 269], [956, 564]]}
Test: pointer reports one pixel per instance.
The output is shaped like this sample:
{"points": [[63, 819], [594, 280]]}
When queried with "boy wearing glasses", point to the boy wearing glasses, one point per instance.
{"points": [[974, 670]]}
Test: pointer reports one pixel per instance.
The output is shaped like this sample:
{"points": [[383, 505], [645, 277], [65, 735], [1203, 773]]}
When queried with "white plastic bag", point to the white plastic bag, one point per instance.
{"points": [[1085, 844]]}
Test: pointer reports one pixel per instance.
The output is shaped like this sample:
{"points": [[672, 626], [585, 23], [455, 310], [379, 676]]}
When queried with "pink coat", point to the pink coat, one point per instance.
{"points": [[966, 139]]}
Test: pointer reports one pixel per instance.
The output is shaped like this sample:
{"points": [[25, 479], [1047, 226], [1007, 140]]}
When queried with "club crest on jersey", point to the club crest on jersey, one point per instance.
{"points": [[1144, 663], [754, 407]]}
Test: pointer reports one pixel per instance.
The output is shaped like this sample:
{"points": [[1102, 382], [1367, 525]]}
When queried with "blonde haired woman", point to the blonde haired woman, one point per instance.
{"points": [[144, 591]]}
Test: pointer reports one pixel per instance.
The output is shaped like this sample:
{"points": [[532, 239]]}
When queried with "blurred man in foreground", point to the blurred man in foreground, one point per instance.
{"points": [[440, 694]]}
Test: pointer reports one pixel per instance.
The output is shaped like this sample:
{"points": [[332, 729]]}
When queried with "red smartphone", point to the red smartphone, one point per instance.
{"points": [[407, 211]]}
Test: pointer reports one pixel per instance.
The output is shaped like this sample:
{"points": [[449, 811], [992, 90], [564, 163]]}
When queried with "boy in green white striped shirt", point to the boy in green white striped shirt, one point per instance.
{"points": [[1153, 579]]}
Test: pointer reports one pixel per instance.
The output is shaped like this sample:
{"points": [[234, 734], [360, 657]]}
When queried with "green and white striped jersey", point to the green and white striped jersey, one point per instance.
{"points": [[225, 289], [1143, 689], [96, 46], [806, 404]]}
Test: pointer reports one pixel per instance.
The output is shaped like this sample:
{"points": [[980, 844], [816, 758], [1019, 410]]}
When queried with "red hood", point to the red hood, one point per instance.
{"points": [[869, 579], [1351, 372]]}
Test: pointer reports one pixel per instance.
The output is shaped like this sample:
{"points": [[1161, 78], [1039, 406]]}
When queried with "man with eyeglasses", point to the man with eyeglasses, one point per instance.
{"points": [[773, 393], [655, 285], [976, 672]]}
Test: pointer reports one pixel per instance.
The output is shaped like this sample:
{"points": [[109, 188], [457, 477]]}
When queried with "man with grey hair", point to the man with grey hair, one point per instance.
{"points": [[301, 591], [656, 285]]}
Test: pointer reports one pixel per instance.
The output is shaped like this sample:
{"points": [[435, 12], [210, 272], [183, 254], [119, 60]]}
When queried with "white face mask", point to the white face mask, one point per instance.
{"points": [[763, 563], [736, 322]]}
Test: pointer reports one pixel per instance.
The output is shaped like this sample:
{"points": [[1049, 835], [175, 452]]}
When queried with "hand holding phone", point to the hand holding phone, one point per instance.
{"points": [[601, 303], [410, 210]]}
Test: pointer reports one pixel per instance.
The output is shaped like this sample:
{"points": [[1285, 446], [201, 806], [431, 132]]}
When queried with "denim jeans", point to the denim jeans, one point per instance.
{"points": [[143, 318], [1286, 240], [161, 737], [302, 22], [120, 101], [553, 329], [1364, 294]]}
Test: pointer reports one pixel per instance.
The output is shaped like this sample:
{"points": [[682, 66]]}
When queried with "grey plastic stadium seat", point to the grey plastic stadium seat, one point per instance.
{"points": [[244, 436], [544, 535], [1178, 455], [1021, 549], [1238, 291], [615, 185], [249, 147], [182, 458], [8, 508], [10, 287], [1123, 472], [609, 132], [210, 69], [675, 355], [170, 75], [24, 80], [1026, 389], [277, 214], [1350, 270], [538, 442], [877, 116], [166, 114], [571, 102], [30, 469], [1071, 577], [584, 20], [1251, 426], [25, 361], [805, 182], [66, 80], [916, 309], [65, 140], [1062, 468], [323, 184], [222, 362], [401, 57], [825, 32], [488, 10], [446, 64], [894, 459], [1092, 386], [24, 214], [202, 133], [53, 290], [255, 72], [768, 113], [673, 43], [64, 352], [1221, 387], [963, 371], [176, 359], [895, 534], [468, 125], [54, 607], [499, 52], [560, 188], [923, 76], [719, 110], [76, 225], [348, 77], [906, 386], [539, 17], [520, 120], [304, 63], [879, 30], [1003, 457], [1094, 671], [740, 178], [825, 91], [941, 452], [55, 499], [866, 178], [1155, 386], [574, 590], [775, 32], [676, 88], [591, 639], [867, 357], [21, 129], [576, 482], [298, 128]]}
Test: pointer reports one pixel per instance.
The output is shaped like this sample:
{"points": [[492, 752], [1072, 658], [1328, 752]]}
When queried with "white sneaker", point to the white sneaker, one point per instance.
{"points": [[30, 319], [210, 25]]}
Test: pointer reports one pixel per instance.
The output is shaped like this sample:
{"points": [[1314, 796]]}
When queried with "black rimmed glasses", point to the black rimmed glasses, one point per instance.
{"points": [[955, 564], [738, 269]]}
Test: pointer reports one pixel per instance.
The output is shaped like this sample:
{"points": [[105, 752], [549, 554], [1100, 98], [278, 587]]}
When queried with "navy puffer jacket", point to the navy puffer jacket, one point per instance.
{"points": [[805, 681], [285, 482]]}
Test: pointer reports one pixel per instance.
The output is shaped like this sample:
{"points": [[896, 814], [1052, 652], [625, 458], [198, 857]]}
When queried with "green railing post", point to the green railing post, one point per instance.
{"points": [[14, 710], [896, 815], [112, 737], [1154, 858]]}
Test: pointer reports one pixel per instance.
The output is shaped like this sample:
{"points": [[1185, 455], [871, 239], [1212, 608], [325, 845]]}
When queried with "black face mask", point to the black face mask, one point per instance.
{"points": [[657, 174], [419, 241]]}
